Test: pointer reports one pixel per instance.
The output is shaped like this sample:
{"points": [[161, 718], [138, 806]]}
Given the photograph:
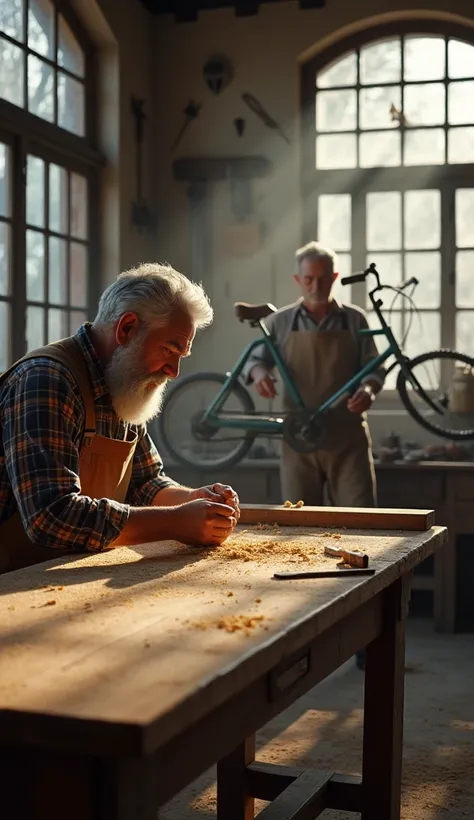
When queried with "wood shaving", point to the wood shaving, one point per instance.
{"points": [[232, 623], [289, 504]]}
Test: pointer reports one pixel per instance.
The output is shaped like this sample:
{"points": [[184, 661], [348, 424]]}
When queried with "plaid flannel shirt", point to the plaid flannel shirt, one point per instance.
{"points": [[42, 418]]}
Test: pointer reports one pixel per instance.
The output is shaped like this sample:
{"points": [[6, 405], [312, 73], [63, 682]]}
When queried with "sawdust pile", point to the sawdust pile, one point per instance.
{"points": [[250, 545], [234, 623]]}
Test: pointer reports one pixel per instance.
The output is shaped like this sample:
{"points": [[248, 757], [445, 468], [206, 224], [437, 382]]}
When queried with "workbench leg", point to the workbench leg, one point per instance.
{"points": [[233, 799], [383, 710]]}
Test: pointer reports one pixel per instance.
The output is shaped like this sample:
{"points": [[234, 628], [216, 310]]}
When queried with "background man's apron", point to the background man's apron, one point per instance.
{"points": [[320, 362], [105, 465]]}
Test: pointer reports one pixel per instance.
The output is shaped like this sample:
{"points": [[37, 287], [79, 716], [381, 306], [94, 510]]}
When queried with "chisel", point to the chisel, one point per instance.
{"points": [[354, 558], [323, 573]]}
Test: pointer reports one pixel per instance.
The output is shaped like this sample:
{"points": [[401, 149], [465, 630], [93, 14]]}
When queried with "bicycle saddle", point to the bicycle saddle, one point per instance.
{"points": [[253, 313]]}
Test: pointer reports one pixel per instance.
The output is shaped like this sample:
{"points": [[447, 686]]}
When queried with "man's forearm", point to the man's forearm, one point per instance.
{"points": [[374, 385], [147, 524], [172, 496]]}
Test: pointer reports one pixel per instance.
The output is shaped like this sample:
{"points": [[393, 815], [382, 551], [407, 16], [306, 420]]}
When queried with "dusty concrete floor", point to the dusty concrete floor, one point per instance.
{"points": [[324, 730]]}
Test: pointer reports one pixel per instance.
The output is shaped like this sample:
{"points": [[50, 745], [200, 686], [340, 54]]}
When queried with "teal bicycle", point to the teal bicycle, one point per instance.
{"points": [[209, 420]]}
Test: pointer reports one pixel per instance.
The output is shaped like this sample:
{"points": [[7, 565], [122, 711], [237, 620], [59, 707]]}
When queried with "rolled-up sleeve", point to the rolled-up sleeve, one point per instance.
{"points": [[42, 419], [148, 476]]}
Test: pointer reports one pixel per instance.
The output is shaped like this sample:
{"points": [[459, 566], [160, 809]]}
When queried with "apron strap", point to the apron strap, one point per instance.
{"points": [[68, 352]]}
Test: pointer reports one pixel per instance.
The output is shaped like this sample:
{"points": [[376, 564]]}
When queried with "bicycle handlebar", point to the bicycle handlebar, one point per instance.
{"points": [[362, 276], [352, 280]]}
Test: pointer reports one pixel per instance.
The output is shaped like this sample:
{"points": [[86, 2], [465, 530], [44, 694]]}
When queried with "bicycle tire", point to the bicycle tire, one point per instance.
{"points": [[453, 435], [248, 407]]}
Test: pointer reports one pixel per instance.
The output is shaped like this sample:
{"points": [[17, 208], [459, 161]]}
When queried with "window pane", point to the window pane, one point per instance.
{"points": [[342, 72], [12, 66], [460, 145], [58, 324], [334, 220], [465, 279], [422, 219], [11, 19], [460, 108], [57, 271], [336, 151], [375, 104], [70, 54], [5, 193], [78, 283], [460, 59], [40, 89], [35, 192], [464, 205], [34, 327], [427, 269], [424, 335], [389, 266], [71, 105], [336, 110], [4, 336], [464, 335], [41, 27], [424, 58], [5, 270], [76, 319], [58, 199], [78, 206], [425, 104], [35, 289], [379, 149], [384, 221], [425, 146], [380, 62]]}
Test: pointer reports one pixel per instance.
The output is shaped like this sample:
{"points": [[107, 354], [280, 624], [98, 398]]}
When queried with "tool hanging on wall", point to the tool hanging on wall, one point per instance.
{"points": [[239, 125], [258, 109], [191, 112], [217, 74], [142, 218]]}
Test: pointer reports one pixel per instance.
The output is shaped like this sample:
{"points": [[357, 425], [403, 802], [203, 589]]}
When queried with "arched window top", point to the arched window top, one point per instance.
{"points": [[403, 100], [43, 63]]}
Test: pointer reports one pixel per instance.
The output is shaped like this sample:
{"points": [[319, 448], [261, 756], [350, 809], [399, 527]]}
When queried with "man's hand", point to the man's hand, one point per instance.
{"points": [[219, 493], [202, 522], [263, 381], [361, 400]]}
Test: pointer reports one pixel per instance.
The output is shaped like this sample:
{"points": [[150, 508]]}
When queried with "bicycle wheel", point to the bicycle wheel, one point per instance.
{"points": [[430, 402], [193, 445]]}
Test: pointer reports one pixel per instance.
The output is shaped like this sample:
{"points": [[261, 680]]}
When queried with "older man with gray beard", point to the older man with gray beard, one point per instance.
{"points": [[78, 470]]}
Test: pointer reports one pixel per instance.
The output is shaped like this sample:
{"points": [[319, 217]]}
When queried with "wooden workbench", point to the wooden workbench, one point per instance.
{"points": [[446, 487], [119, 682]]}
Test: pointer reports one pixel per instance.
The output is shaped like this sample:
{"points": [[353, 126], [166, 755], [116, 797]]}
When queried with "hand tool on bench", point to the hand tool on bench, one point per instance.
{"points": [[355, 558], [322, 573]]}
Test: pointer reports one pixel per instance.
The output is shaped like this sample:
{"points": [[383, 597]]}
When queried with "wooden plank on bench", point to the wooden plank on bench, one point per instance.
{"points": [[341, 517]]}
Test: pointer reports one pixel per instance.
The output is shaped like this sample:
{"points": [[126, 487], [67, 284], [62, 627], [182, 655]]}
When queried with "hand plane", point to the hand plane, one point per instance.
{"points": [[354, 558]]}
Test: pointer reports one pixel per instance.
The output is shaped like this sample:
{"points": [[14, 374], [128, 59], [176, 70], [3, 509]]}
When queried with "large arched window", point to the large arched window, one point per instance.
{"points": [[48, 175], [388, 174]]}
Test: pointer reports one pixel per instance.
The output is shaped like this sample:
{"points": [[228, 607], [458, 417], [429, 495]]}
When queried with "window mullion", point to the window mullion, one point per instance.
{"points": [[448, 268]]}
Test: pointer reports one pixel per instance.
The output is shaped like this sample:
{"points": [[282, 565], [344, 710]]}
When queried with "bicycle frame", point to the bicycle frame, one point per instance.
{"points": [[266, 424]]}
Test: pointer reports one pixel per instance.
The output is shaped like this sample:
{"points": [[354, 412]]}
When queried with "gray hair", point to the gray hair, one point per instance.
{"points": [[316, 251], [154, 291]]}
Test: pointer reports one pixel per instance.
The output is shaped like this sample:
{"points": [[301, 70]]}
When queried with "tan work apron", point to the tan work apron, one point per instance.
{"points": [[105, 465], [320, 363]]}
